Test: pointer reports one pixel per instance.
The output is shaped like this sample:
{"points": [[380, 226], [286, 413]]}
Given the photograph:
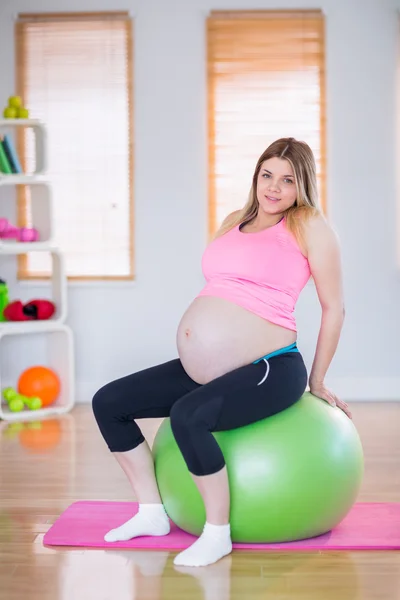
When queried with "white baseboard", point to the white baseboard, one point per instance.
{"points": [[351, 389], [383, 389]]}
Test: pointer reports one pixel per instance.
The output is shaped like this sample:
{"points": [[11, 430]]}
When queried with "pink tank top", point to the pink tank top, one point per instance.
{"points": [[263, 272]]}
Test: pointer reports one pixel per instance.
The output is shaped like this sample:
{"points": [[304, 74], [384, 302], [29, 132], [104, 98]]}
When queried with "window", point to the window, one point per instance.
{"points": [[265, 81], [74, 72]]}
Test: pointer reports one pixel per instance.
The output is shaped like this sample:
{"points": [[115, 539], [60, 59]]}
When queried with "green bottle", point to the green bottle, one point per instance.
{"points": [[4, 298]]}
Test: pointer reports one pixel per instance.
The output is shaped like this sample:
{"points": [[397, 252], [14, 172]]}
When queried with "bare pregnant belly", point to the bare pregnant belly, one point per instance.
{"points": [[216, 336]]}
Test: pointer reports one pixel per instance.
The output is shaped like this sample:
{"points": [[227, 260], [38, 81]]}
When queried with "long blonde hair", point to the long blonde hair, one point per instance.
{"points": [[301, 158]]}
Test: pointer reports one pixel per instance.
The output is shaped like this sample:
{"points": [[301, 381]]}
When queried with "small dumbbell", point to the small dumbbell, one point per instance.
{"points": [[14, 400], [27, 234], [22, 234], [6, 229], [17, 402], [33, 403]]}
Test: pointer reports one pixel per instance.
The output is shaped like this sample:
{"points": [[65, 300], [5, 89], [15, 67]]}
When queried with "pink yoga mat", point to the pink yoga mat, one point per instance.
{"points": [[368, 526]]}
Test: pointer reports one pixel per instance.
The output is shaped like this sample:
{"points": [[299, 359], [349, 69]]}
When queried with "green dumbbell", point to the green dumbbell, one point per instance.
{"points": [[14, 400], [16, 404], [33, 403], [9, 393]]}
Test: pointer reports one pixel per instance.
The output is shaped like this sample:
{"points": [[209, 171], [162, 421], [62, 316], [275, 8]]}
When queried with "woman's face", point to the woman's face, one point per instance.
{"points": [[276, 186]]}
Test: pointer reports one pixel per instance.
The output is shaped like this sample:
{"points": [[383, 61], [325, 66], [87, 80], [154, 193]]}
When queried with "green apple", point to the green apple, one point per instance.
{"points": [[10, 112], [15, 101], [22, 113]]}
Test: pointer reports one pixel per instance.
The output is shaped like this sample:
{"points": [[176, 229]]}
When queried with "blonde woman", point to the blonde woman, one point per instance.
{"points": [[238, 359]]}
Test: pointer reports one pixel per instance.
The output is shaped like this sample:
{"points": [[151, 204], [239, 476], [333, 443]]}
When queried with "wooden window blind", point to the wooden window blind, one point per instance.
{"points": [[266, 80], [74, 72]]}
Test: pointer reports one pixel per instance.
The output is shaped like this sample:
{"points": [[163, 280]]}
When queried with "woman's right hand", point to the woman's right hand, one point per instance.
{"points": [[321, 391]]}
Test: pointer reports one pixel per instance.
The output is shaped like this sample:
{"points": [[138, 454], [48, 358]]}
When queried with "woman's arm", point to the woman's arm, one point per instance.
{"points": [[325, 264]]}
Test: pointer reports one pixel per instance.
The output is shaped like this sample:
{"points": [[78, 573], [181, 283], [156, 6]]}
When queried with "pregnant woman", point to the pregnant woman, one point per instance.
{"points": [[238, 359]]}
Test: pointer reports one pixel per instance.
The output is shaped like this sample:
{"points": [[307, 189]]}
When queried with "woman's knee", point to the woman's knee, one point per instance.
{"points": [[103, 402], [181, 418], [191, 426], [111, 415], [188, 416]]}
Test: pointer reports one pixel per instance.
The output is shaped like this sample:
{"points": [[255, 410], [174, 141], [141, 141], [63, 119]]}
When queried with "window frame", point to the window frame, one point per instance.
{"points": [[22, 202], [211, 82]]}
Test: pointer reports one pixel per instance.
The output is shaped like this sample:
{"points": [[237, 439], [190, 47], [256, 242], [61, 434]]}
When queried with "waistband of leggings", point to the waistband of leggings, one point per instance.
{"points": [[291, 348]]}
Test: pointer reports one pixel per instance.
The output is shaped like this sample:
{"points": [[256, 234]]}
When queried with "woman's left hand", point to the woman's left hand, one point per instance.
{"points": [[321, 391]]}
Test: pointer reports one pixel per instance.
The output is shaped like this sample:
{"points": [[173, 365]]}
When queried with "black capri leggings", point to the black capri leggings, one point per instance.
{"points": [[238, 398]]}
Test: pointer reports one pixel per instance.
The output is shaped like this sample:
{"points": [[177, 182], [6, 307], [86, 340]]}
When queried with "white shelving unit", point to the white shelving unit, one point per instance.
{"points": [[52, 336], [40, 132], [41, 208]]}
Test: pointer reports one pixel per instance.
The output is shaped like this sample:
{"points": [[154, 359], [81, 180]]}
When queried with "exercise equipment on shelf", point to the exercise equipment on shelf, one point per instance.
{"points": [[4, 298], [37, 388], [15, 109], [20, 234], [54, 337], [38, 309], [31, 311], [41, 382], [17, 402]]}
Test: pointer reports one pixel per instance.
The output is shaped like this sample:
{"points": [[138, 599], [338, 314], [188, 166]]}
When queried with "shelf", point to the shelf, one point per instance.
{"points": [[10, 247], [34, 415], [40, 133], [58, 283], [53, 349], [40, 198], [22, 122], [28, 343], [23, 327], [21, 179]]}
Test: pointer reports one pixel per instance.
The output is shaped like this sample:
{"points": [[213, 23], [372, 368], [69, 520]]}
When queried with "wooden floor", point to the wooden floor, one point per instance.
{"points": [[43, 470]]}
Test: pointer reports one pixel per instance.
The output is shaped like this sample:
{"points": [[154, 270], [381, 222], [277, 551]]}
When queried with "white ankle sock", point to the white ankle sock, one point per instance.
{"points": [[151, 519], [214, 543]]}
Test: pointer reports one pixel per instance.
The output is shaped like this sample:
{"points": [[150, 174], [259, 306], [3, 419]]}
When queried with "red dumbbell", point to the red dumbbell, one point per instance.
{"points": [[34, 310]]}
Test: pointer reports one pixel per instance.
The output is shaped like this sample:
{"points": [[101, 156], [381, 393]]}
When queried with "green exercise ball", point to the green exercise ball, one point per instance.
{"points": [[292, 476]]}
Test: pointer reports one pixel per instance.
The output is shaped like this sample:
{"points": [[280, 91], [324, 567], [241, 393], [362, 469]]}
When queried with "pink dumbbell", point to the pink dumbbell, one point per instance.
{"points": [[22, 234], [5, 227]]}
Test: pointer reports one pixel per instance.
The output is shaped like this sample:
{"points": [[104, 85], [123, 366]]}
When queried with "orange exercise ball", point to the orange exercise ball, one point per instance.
{"points": [[42, 382]]}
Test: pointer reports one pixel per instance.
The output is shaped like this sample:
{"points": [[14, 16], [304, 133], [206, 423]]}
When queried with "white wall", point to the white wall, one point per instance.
{"points": [[171, 201]]}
